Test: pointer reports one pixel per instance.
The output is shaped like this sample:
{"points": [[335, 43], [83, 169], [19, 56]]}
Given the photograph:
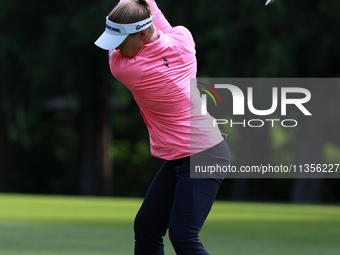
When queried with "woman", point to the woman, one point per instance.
{"points": [[155, 61]]}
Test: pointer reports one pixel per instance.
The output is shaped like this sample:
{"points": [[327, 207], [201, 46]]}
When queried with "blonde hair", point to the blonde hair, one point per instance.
{"points": [[130, 12]]}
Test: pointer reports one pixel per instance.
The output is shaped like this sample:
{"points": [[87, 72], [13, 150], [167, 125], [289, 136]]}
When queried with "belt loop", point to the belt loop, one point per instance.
{"points": [[225, 137]]}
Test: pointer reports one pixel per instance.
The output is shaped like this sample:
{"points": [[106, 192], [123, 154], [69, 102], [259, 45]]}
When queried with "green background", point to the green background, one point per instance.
{"points": [[70, 225]]}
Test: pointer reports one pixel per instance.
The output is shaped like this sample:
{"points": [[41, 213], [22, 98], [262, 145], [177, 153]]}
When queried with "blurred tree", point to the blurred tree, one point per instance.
{"points": [[6, 171], [311, 143], [45, 46], [47, 54]]}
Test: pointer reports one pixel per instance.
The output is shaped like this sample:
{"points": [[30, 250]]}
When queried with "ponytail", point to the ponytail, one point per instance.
{"points": [[130, 11]]}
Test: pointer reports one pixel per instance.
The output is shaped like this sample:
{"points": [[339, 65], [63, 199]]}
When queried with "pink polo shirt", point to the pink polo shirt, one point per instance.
{"points": [[159, 79]]}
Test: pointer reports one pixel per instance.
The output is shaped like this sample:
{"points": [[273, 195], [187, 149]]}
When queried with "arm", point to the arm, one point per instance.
{"points": [[161, 22]]}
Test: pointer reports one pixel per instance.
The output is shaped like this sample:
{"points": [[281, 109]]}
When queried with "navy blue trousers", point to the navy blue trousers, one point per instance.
{"points": [[177, 203]]}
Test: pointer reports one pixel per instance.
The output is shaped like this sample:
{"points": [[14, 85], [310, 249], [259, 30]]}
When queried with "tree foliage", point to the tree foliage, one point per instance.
{"points": [[53, 82]]}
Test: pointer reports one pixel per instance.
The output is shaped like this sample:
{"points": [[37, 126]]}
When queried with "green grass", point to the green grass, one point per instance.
{"points": [[51, 225]]}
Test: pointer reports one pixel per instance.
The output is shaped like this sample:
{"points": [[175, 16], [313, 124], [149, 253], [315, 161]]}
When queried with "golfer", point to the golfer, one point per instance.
{"points": [[156, 61]]}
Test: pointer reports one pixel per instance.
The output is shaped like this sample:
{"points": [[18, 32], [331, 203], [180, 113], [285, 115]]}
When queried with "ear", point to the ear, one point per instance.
{"points": [[143, 35]]}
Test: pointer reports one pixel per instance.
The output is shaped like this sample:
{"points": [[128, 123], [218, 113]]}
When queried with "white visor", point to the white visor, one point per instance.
{"points": [[115, 33]]}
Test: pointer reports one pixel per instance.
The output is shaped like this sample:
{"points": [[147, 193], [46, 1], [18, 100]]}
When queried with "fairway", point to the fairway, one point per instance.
{"points": [[51, 225]]}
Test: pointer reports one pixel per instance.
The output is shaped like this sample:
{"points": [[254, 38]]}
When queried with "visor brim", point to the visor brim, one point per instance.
{"points": [[109, 41]]}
